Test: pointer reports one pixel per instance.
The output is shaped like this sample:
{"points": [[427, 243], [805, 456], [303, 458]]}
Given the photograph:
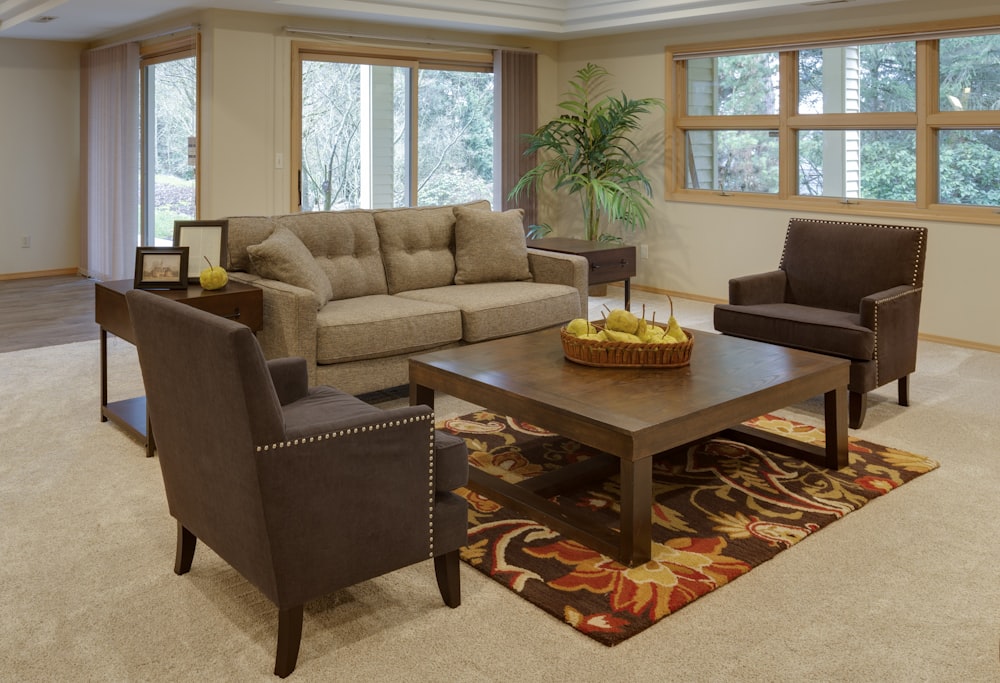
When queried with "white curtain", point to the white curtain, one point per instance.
{"points": [[110, 159]]}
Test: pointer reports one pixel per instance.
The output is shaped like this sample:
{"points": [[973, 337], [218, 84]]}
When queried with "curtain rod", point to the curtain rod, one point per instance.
{"points": [[149, 36], [395, 39]]}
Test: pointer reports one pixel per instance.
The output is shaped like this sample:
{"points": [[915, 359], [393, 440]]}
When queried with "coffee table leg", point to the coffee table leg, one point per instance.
{"points": [[636, 511], [421, 395], [835, 413]]}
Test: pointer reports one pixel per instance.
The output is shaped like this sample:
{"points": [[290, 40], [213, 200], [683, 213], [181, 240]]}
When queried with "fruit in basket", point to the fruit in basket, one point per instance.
{"points": [[675, 331], [620, 320], [579, 327], [616, 336]]}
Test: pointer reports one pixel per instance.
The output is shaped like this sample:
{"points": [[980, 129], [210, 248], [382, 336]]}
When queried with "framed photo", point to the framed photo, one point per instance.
{"points": [[204, 239], [161, 268]]}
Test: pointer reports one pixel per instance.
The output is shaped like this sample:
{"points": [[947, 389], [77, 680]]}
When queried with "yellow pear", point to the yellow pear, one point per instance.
{"points": [[579, 327], [621, 320], [615, 335], [213, 277], [675, 331]]}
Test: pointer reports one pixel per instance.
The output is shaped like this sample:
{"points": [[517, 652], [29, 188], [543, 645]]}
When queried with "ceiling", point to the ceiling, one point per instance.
{"points": [[89, 20]]}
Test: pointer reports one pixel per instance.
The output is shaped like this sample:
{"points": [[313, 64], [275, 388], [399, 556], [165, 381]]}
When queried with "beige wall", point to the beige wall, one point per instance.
{"points": [[693, 248], [39, 155]]}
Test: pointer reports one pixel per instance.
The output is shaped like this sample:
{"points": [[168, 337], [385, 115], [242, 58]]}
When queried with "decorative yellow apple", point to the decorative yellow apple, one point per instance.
{"points": [[213, 277]]}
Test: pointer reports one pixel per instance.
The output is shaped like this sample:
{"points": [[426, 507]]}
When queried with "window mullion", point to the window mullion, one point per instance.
{"points": [[787, 143], [927, 105]]}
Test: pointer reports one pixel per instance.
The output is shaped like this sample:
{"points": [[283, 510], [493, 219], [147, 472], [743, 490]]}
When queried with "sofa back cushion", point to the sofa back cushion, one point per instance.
{"points": [[490, 246], [418, 246], [346, 247]]}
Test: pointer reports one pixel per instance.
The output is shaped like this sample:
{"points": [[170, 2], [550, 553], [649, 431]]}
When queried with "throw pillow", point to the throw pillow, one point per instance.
{"points": [[490, 246], [284, 257]]}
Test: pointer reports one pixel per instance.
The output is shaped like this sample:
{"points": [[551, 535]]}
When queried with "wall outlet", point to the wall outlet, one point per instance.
{"points": [[643, 251], [25, 241]]}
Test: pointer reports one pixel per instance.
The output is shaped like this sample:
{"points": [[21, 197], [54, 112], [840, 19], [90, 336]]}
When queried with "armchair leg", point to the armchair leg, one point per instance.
{"points": [[186, 542], [289, 637], [903, 387], [858, 407], [448, 578]]}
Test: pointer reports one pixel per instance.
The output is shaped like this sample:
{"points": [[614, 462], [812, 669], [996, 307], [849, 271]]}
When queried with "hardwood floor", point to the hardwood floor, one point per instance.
{"points": [[46, 311]]}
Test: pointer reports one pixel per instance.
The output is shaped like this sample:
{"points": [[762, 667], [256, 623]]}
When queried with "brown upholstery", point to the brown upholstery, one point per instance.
{"points": [[302, 490], [845, 289]]}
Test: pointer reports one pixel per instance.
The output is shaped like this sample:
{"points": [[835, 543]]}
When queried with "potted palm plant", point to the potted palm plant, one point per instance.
{"points": [[587, 151]]}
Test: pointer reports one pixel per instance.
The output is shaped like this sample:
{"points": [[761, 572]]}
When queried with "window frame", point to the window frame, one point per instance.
{"points": [[926, 121], [454, 59]]}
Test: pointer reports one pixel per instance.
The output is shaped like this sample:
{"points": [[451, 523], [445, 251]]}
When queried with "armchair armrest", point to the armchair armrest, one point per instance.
{"points": [[353, 502], [289, 319], [561, 269], [759, 288], [290, 377], [894, 315]]}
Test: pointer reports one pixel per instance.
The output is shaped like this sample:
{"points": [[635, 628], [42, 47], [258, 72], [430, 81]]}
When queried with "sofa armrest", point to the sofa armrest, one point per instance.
{"points": [[759, 288], [290, 377], [289, 320], [894, 315], [561, 269]]}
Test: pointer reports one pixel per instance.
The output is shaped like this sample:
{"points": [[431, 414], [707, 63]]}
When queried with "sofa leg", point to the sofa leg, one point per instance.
{"points": [[858, 407], [289, 637], [446, 569], [904, 390], [186, 541]]}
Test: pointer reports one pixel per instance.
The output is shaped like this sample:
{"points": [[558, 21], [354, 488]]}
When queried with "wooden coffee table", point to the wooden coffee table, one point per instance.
{"points": [[631, 415]]}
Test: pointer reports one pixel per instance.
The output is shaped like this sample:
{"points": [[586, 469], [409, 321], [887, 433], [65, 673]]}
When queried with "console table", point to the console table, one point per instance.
{"points": [[608, 262], [236, 301]]}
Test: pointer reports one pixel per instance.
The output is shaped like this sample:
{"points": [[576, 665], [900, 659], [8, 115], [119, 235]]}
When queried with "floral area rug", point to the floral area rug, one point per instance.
{"points": [[720, 509]]}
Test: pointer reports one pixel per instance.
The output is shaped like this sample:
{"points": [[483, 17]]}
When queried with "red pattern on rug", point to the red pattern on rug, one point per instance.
{"points": [[720, 509]]}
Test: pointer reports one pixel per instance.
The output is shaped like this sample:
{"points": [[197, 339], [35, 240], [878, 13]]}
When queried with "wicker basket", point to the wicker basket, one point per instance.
{"points": [[609, 354]]}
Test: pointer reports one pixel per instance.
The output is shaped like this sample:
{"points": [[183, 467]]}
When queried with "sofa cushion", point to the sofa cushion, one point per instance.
{"points": [[378, 326], [490, 246], [346, 247], [418, 246], [244, 231], [821, 330], [284, 257], [500, 309]]}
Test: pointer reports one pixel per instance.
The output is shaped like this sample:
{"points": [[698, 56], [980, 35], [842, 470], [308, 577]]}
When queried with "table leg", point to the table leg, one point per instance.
{"points": [[835, 414], [636, 511], [421, 395], [628, 294], [104, 373]]}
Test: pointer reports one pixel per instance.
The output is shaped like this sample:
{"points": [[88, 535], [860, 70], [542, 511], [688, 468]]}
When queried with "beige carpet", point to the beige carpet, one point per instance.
{"points": [[906, 589]]}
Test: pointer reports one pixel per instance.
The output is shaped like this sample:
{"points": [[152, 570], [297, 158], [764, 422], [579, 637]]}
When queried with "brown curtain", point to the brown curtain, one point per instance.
{"points": [[516, 112]]}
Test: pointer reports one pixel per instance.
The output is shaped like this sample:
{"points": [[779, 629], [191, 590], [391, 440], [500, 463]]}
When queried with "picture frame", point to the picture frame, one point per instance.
{"points": [[204, 239], [161, 268]]}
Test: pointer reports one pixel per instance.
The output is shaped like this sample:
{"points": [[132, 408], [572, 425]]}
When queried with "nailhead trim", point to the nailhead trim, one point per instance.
{"points": [[375, 427]]}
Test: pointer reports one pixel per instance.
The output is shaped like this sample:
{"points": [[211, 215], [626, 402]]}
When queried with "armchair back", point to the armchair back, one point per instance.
{"points": [[835, 264]]}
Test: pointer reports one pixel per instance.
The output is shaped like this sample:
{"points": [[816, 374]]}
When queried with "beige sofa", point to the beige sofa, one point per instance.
{"points": [[357, 292]]}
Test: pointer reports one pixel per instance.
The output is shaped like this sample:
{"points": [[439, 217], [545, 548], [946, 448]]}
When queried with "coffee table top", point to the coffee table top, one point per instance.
{"points": [[630, 412]]}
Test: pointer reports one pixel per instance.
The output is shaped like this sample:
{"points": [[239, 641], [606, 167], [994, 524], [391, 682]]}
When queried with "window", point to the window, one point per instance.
{"points": [[386, 130], [893, 124], [169, 123]]}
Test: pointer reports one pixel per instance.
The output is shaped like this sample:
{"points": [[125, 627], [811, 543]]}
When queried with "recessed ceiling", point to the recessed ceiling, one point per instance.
{"points": [[86, 20]]}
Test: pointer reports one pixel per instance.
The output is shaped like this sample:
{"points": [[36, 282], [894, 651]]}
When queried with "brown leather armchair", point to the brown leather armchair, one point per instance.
{"points": [[302, 490], [844, 289]]}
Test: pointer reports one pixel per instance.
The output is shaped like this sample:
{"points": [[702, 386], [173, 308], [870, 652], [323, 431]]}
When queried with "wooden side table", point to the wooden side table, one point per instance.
{"points": [[236, 301], [608, 262]]}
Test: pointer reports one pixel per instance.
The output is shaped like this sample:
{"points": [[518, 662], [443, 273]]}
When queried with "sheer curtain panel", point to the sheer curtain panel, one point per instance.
{"points": [[110, 126]]}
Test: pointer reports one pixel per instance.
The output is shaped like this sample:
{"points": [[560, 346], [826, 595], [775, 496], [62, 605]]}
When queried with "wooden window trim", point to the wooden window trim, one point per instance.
{"points": [[927, 121]]}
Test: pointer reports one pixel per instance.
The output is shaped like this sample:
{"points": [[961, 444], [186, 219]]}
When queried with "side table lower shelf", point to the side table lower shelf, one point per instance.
{"points": [[130, 415]]}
